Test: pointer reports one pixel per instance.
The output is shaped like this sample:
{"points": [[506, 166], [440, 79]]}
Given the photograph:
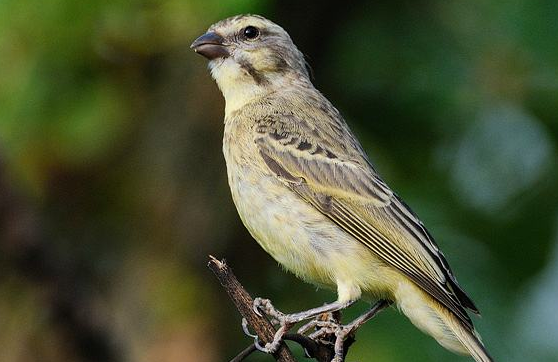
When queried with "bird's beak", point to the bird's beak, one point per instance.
{"points": [[211, 45]]}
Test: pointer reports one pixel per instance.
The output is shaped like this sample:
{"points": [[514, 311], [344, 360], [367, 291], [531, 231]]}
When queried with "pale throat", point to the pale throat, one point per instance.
{"points": [[237, 86]]}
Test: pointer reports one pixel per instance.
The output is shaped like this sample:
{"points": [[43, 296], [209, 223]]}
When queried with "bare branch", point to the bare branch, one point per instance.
{"points": [[243, 302], [245, 353]]}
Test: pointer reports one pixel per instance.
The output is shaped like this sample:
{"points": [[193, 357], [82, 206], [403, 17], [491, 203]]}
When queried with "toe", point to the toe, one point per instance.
{"points": [[246, 330]]}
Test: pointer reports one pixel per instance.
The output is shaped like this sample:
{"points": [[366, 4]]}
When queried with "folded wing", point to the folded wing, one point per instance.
{"points": [[338, 180]]}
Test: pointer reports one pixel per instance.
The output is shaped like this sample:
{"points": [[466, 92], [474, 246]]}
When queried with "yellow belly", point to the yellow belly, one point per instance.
{"points": [[304, 241]]}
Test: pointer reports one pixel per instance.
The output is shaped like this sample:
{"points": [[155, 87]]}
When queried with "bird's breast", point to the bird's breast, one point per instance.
{"points": [[292, 231], [274, 216]]}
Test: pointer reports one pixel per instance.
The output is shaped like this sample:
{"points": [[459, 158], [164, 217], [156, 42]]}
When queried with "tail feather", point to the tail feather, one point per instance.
{"points": [[468, 338], [437, 321]]}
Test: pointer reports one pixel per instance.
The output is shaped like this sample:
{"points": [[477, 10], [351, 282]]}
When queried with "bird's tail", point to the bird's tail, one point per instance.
{"points": [[436, 320]]}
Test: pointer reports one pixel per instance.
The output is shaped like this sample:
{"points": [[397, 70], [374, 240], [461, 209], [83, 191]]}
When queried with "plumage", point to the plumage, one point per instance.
{"points": [[307, 192], [359, 202]]}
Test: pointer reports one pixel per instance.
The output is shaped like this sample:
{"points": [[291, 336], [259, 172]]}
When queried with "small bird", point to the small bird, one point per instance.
{"points": [[307, 192]]}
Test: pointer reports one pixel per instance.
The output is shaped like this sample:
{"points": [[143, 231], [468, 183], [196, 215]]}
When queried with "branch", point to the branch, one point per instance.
{"points": [[243, 302], [320, 347], [245, 353]]}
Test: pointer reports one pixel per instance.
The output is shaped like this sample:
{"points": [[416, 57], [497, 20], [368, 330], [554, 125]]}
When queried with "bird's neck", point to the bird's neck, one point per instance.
{"points": [[239, 94], [236, 87], [240, 88]]}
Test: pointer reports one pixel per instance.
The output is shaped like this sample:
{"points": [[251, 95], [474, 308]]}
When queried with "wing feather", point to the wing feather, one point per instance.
{"points": [[340, 182]]}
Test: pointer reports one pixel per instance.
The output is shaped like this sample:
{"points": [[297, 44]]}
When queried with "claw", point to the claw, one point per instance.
{"points": [[256, 306], [264, 307], [246, 330], [269, 348], [258, 346]]}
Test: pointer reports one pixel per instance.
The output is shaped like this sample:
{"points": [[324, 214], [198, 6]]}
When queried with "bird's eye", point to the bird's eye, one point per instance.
{"points": [[251, 32]]}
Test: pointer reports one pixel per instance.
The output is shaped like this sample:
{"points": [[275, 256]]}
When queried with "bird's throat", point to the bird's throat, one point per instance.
{"points": [[237, 86]]}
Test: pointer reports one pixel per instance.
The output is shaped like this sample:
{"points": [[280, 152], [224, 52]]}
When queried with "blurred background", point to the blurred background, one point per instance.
{"points": [[113, 189]]}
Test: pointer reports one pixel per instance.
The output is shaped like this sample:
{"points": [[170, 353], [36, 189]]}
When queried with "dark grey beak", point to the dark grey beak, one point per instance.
{"points": [[211, 45]]}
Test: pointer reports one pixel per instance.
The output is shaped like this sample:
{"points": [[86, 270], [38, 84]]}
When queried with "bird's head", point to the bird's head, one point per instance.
{"points": [[248, 55]]}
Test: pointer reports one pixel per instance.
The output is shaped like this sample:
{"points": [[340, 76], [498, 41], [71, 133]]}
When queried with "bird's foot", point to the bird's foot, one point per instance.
{"points": [[341, 335], [271, 347], [347, 331], [284, 321], [263, 306], [287, 321], [323, 324]]}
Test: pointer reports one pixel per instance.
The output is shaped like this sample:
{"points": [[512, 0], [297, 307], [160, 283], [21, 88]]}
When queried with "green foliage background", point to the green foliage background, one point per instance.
{"points": [[113, 188]]}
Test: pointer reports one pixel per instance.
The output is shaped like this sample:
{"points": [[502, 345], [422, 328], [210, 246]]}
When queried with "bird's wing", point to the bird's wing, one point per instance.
{"points": [[338, 180]]}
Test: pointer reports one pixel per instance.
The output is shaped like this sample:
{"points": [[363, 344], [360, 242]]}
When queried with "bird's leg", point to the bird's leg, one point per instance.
{"points": [[286, 321], [306, 327], [345, 331], [325, 323]]}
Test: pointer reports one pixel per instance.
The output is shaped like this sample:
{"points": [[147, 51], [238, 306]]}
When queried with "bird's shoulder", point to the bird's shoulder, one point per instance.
{"points": [[305, 122], [301, 134]]}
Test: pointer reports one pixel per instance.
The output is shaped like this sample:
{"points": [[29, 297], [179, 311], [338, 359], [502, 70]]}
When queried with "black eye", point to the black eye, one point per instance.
{"points": [[251, 32]]}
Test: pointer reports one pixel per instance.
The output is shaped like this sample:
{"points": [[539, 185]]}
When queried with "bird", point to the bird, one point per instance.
{"points": [[307, 192]]}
